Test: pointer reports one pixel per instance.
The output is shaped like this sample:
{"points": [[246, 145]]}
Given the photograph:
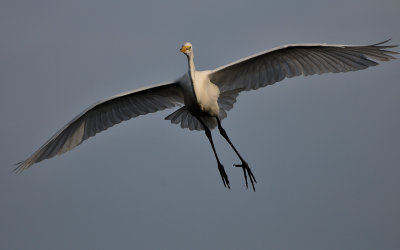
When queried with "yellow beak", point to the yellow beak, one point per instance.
{"points": [[183, 49]]}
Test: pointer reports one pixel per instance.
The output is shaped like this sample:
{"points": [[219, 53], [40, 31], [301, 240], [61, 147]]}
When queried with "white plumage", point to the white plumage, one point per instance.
{"points": [[206, 96]]}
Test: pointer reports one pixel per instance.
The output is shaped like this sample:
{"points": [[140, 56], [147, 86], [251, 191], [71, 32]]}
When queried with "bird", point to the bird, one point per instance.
{"points": [[204, 97]]}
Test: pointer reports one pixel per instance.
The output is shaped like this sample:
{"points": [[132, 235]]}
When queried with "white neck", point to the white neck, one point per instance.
{"points": [[191, 65]]}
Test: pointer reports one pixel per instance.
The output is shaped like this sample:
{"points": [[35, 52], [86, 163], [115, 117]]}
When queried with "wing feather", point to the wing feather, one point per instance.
{"points": [[274, 65], [105, 114]]}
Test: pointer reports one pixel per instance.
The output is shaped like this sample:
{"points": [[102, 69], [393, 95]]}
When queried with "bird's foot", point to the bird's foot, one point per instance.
{"points": [[223, 174], [247, 171]]}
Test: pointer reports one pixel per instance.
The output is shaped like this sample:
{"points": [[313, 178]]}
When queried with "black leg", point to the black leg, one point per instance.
{"points": [[221, 169], [244, 165]]}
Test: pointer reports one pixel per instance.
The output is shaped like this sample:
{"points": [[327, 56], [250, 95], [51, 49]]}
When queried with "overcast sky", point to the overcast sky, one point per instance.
{"points": [[324, 149]]}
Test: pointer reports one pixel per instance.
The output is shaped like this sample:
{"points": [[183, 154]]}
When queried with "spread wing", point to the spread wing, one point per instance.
{"points": [[105, 114], [269, 67]]}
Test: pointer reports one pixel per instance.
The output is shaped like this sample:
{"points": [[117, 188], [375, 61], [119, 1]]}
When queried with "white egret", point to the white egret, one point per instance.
{"points": [[207, 95]]}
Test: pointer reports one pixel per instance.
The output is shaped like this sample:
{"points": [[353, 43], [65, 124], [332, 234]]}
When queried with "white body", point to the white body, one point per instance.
{"points": [[200, 95]]}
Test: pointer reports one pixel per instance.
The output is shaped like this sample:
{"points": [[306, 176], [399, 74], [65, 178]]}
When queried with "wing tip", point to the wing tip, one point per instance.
{"points": [[21, 166], [386, 54], [383, 42], [382, 45]]}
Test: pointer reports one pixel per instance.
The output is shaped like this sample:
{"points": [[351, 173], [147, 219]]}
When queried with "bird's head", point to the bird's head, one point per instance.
{"points": [[186, 49]]}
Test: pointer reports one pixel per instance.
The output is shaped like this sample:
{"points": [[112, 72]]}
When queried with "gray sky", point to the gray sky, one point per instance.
{"points": [[325, 149]]}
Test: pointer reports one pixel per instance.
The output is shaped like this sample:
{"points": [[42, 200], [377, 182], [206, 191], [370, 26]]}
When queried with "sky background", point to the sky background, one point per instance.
{"points": [[324, 149]]}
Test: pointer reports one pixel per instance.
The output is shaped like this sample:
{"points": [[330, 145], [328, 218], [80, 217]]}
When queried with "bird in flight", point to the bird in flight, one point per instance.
{"points": [[204, 97]]}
